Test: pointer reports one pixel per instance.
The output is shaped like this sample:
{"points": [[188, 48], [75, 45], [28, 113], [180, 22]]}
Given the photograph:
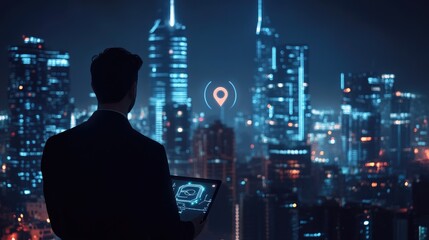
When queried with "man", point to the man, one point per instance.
{"points": [[104, 180]]}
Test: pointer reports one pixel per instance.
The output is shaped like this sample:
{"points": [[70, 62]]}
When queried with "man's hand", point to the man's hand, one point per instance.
{"points": [[199, 224]]}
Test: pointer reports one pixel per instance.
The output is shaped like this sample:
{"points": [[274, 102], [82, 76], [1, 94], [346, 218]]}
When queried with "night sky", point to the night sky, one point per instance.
{"points": [[343, 36]]}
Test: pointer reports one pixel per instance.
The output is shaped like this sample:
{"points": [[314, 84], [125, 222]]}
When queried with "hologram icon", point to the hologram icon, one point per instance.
{"points": [[220, 100], [190, 193]]}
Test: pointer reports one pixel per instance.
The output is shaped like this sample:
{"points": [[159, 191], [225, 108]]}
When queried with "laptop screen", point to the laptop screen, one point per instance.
{"points": [[194, 196]]}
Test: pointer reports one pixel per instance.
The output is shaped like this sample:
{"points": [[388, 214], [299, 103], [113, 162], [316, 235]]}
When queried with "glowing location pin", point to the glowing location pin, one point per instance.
{"points": [[220, 100]]}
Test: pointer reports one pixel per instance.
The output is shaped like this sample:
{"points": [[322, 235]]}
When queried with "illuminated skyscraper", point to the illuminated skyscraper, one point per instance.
{"points": [[177, 142], [266, 41], [400, 151], [287, 96], [365, 117], [38, 97], [168, 48], [169, 104]]}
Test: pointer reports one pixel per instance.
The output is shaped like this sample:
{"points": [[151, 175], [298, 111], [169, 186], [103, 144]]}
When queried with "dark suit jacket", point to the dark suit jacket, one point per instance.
{"points": [[104, 180]]}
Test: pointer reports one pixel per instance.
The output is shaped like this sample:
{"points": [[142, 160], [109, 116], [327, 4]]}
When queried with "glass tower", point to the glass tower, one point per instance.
{"points": [[38, 98], [266, 40], [287, 96], [401, 153], [365, 117], [168, 73]]}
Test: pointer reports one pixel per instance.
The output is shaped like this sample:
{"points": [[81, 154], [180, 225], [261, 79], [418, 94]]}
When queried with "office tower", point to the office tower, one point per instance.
{"points": [[4, 139], [420, 228], [400, 152], [288, 99], [325, 137], [365, 117], [320, 221], [38, 98], [168, 68], [266, 41], [4, 123], [214, 157], [177, 142], [287, 164], [289, 115], [243, 128], [169, 104]]}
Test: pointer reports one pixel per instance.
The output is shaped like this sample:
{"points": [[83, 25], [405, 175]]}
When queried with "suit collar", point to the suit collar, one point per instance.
{"points": [[108, 117]]}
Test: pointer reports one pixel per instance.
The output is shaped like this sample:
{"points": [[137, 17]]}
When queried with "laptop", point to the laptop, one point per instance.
{"points": [[194, 196]]}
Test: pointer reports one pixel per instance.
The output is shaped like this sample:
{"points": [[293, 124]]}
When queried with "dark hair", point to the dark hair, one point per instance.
{"points": [[112, 74]]}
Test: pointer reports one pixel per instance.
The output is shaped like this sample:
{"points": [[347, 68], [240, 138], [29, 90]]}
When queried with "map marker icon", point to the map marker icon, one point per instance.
{"points": [[220, 100]]}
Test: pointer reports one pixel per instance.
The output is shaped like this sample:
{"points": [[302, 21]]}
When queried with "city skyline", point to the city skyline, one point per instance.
{"points": [[330, 131], [343, 37]]}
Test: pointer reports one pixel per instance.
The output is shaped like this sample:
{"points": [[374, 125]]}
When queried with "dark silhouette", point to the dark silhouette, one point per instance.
{"points": [[104, 180]]}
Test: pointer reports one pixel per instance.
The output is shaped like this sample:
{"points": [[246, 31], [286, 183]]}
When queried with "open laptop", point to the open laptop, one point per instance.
{"points": [[194, 196]]}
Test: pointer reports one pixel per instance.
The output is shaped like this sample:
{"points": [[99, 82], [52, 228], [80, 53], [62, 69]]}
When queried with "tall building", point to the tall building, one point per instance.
{"points": [[168, 68], [38, 98], [325, 137], [289, 117], [4, 136], [266, 41], [365, 117], [400, 151], [4, 140], [169, 104], [214, 157], [288, 99], [177, 141]]}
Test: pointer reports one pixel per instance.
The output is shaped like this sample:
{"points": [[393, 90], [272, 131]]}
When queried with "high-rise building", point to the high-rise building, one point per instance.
{"points": [[266, 41], [4, 136], [325, 137], [214, 157], [177, 142], [288, 99], [365, 117], [38, 98], [169, 104], [243, 128], [168, 68], [400, 151], [288, 121]]}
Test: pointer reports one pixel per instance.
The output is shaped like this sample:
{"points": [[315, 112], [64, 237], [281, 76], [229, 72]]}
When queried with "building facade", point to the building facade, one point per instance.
{"points": [[38, 98], [365, 117], [214, 157], [168, 68], [266, 42]]}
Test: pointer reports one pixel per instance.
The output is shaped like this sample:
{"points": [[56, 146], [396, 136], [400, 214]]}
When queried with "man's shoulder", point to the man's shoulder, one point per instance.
{"points": [[146, 140], [69, 132]]}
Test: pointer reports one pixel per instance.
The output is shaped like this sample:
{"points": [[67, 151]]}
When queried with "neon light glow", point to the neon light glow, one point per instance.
{"points": [[172, 16]]}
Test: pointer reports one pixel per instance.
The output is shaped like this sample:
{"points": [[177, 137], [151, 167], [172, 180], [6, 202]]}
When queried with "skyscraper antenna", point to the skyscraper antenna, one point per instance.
{"points": [[258, 25], [172, 14]]}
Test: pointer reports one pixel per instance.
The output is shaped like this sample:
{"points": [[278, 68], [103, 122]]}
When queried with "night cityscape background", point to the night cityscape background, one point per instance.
{"points": [[328, 138]]}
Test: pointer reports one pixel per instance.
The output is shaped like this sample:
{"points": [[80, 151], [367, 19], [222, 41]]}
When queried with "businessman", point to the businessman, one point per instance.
{"points": [[104, 180]]}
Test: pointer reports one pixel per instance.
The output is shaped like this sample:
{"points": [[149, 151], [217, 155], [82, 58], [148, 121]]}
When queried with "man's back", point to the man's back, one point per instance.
{"points": [[103, 179]]}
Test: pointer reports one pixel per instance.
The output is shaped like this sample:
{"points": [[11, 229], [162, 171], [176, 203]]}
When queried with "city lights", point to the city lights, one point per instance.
{"points": [[293, 165]]}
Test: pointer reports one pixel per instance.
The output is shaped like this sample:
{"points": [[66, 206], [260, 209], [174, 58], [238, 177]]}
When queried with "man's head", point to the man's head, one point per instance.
{"points": [[114, 75]]}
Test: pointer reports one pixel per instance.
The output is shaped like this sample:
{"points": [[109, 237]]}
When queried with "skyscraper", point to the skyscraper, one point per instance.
{"points": [[365, 106], [266, 41], [169, 104], [215, 157], [400, 152], [177, 142], [287, 96], [38, 97], [168, 48]]}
